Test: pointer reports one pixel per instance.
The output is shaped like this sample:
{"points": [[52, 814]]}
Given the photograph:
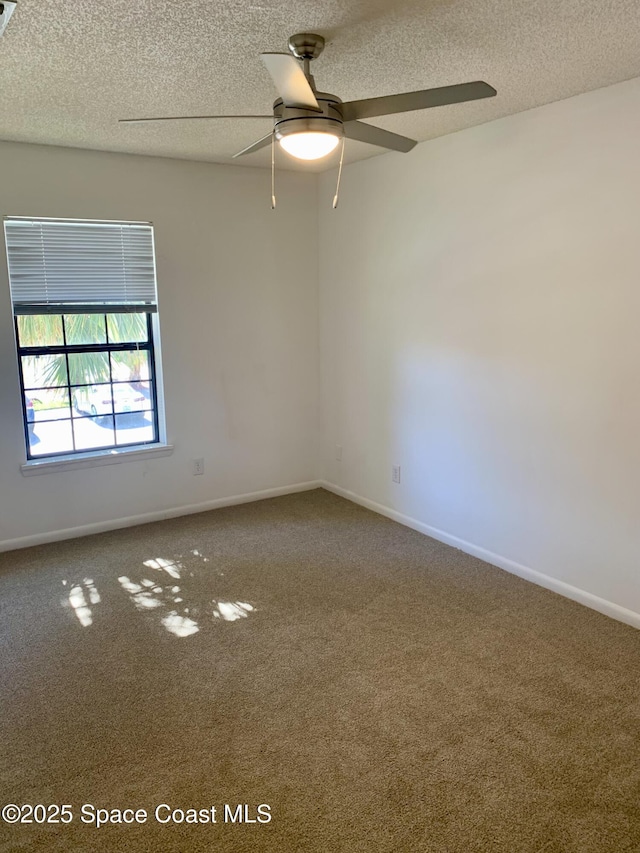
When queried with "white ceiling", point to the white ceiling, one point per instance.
{"points": [[71, 68]]}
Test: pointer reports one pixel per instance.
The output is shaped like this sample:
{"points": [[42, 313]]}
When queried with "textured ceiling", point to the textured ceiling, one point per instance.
{"points": [[71, 68]]}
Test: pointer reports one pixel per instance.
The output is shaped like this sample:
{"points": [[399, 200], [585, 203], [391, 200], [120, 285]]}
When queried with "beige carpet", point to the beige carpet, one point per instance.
{"points": [[378, 690]]}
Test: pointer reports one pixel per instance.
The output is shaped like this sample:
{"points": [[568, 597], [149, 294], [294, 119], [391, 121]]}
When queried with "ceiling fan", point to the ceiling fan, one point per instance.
{"points": [[309, 124]]}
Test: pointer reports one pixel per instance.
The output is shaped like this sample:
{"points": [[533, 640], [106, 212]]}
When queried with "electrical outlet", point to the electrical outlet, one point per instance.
{"points": [[395, 473], [338, 453], [198, 466]]}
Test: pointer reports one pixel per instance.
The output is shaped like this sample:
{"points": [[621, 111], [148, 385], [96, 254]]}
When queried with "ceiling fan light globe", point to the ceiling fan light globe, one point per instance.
{"points": [[309, 144]]}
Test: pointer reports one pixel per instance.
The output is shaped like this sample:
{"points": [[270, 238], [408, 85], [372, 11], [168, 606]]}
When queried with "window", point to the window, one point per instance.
{"points": [[84, 304]]}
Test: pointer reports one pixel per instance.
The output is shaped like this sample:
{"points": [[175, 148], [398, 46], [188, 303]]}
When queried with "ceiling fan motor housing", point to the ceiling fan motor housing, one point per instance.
{"points": [[299, 120]]}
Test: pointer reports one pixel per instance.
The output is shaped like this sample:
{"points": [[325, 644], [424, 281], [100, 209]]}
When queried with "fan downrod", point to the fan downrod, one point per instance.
{"points": [[306, 45]]}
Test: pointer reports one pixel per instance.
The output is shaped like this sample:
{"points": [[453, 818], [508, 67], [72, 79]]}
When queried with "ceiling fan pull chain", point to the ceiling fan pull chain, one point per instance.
{"points": [[335, 198], [273, 170]]}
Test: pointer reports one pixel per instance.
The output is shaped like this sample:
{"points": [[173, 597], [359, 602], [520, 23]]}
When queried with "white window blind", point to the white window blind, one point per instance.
{"points": [[80, 267]]}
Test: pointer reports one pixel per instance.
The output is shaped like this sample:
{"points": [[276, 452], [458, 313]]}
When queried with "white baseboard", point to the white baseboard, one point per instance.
{"points": [[608, 608], [615, 611], [159, 515]]}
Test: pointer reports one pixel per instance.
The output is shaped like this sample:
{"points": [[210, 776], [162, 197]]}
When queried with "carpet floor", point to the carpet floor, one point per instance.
{"points": [[351, 684]]}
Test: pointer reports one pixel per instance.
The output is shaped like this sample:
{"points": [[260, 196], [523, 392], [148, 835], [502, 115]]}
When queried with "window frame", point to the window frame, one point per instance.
{"points": [[67, 349], [69, 272]]}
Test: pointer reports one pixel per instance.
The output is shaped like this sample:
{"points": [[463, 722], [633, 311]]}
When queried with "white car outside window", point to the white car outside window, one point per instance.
{"points": [[107, 399]]}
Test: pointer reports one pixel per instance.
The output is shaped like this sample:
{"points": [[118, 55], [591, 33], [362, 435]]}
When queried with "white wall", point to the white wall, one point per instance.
{"points": [[238, 331], [480, 302]]}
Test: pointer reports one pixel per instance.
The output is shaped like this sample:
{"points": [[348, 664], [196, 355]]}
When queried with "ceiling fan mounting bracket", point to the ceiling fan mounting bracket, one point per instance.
{"points": [[306, 45]]}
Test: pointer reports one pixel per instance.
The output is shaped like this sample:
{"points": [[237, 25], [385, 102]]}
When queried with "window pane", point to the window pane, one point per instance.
{"points": [[92, 400], [87, 368], [143, 389], [132, 365], [127, 327], [50, 437], [40, 330], [41, 371], [134, 428], [92, 433], [48, 404], [127, 398], [85, 328]]}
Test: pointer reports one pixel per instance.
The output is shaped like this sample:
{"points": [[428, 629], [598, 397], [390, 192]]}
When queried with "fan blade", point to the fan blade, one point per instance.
{"points": [[291, 82], [422, 100], [255, 146], [183, 118], [377, 136]]}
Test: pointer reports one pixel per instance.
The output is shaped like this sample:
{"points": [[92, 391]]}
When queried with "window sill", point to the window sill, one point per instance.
{"points": [[93, 459]]}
